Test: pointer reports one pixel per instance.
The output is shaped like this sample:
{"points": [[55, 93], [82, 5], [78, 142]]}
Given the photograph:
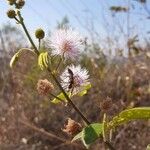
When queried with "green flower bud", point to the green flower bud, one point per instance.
{"points": [[11, 2], [20, 4], [11, 13], [39, 33]]}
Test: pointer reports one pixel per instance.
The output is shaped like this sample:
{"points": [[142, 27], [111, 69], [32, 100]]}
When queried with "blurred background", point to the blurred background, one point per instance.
{"points": [[117, 55]]}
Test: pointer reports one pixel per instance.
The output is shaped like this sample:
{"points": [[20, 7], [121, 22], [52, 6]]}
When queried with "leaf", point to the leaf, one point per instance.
{"points": [[128, 115], [148, 147], [78, 136], [62, 97], [85, 89], [16, 56], [14, 59], [91, 133], [43, 60]]}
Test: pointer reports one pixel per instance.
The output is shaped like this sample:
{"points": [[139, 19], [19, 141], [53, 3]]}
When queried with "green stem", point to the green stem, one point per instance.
{"points": [[39, 44], [109, 145], [68, 99], [104, 127], [27, 33]]}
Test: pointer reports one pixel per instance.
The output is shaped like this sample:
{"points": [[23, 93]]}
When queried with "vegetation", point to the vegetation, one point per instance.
{"points": [[106, 107]]}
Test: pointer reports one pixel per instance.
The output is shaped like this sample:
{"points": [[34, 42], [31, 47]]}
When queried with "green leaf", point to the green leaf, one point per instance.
{"points": [[78, 136], [43, 60], [61, 97], [82, 93], [85, 89], [148, 147], [91, 133], [14, 59], [16, 56], [128, 115]]}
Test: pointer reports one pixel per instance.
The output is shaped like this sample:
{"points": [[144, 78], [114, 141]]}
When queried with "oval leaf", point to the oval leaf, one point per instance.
{"points": [[61, 98], [85, 89], [15, 58], [91, 133], [78, 136], [130, 114]]}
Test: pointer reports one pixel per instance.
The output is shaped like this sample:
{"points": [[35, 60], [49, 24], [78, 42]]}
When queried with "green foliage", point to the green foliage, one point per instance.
{"points": [[148, 147], [43, 60], [15, 58], [85, 89], [89, 134], [128, 115], [62, 97], [92, 132]]}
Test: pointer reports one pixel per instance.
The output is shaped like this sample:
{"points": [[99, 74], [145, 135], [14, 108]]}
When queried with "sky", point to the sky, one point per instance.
{"points": [[46, 14]]}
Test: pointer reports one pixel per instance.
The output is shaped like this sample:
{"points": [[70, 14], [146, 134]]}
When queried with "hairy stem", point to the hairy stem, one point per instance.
{"points": [[68, 99], [27, 33]]}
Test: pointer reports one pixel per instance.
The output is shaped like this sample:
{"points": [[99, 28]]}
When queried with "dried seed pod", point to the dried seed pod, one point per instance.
{"points": [[44, 87], [106, 104], [72, 127]]}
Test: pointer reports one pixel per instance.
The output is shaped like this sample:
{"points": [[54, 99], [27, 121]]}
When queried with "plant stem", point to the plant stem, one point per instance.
{"points": [[27, 33], [104, 125], [109, 145], [39, 44], [68, 99], [55, 79]]}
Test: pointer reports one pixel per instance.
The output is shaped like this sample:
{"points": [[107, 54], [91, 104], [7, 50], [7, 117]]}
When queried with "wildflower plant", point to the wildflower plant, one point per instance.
{"points": [[66, 44]]}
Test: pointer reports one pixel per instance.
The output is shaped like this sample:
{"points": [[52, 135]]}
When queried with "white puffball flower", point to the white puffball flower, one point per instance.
{"points": [[67, 43], [74, 79]]}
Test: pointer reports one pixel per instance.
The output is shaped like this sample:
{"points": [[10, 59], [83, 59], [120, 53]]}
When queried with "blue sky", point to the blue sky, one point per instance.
{"points": [[45, 14]]}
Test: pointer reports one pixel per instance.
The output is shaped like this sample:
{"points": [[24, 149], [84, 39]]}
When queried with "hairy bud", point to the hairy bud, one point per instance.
{"points": [[72, 127], [11, 13], [44, 87], [106, 104], [11, 2], [20, 4], [39, 33]]}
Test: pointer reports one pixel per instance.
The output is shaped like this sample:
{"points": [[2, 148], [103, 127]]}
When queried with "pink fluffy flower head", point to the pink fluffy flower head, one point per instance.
{"points": [[74, 79], [66, 43]]}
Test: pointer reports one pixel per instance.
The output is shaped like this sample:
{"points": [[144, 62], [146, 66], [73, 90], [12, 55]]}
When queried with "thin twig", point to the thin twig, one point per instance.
{"points": [[48, 134]]}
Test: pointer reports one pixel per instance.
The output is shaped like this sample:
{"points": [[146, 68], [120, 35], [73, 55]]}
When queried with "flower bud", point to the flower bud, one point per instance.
{"points": [[72, 127], [11, 13], [20, 4], [11, 2], [44, 87], [39, 33], [106, 104]]}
